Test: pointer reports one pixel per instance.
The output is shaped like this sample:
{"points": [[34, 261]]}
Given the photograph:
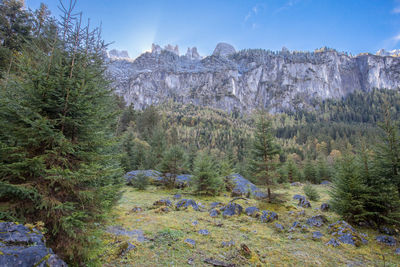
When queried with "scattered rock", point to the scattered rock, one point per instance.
{"points": [[214, 205], [268, 216], [186, 203], [397, 251], [214, 262], [204, 232], [386, 239], [332, 243], [137, 209], [324, 206], [22, 246], [231, 209], [299, 197], [190, 242], [243, 187], [304, 228], [195, 223], [153, 175], [162, 209], [387, 231], [304, 203], [317, 221], [177, 196], [301, 213], [119, 231], [296, 224], [251, 211], [317, 235], [296, 184], [162, 202], [214, 213], [228, 244], [279, 226], [346, 234]]}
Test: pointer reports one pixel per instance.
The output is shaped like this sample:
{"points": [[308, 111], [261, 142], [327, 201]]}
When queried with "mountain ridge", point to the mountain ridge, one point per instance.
{"points": [[249, 79]]}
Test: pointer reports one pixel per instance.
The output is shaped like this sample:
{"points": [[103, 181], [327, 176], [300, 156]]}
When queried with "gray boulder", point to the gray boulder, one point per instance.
{"points": [[186, 203], [304, 203], [204, 232], [242, 187], [346, 234], [21, 246], [251, 211], [153, 175], [332, 242], [317, 221], [268, 216], [397, 251], [324, 206], [299, 197], [386, 239], [317, 235], [214, 213], [231, 209]]}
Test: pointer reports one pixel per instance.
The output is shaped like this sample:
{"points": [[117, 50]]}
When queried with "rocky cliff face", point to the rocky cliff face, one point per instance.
{"points": [[249, 79]]}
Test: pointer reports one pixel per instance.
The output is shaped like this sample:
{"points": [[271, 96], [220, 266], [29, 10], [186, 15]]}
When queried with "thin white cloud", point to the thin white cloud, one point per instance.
{"points": [[287, 5], [396, 10], [250, 18]]}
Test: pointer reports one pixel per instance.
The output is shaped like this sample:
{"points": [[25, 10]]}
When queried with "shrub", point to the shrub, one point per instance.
{"points": [[310, 192], [141, 181]]}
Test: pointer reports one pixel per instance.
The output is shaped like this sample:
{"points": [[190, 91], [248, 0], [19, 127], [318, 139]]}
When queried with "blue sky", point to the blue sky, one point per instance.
{"points": [[347, 25]]}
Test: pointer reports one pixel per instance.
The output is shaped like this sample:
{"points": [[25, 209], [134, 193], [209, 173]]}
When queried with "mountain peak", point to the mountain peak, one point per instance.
{"points": [[224, 50]]}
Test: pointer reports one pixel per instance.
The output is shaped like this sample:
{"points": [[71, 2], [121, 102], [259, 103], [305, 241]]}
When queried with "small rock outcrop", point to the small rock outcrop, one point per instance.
{"points": [[214, 213], [243, 187], [268, 216], [346, 234], [386, 239], [162, 202], [22, 246], [190, 242], [298, 197], [317, 235], [304, 203], [151, 174], [231, 209], [204, 232], [317, 221], [251, 211], [186, 203]]}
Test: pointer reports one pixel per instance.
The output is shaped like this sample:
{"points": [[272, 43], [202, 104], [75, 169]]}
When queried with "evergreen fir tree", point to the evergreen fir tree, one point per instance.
{"points": [[349, 192], [57, 152], [263, 152], [310, 173], [206, 179]]}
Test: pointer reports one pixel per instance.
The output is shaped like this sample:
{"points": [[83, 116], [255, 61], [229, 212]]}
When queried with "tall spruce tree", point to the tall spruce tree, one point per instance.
{"points": [[57, 155], [263, 151], [349, 193]]}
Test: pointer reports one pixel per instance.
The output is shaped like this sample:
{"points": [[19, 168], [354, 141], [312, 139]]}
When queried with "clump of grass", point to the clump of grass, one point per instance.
{"points": [[311, 192]]}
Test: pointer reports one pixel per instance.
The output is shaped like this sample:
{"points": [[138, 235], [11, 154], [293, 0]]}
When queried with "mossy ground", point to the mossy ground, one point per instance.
{"points": [[166, 233]]}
